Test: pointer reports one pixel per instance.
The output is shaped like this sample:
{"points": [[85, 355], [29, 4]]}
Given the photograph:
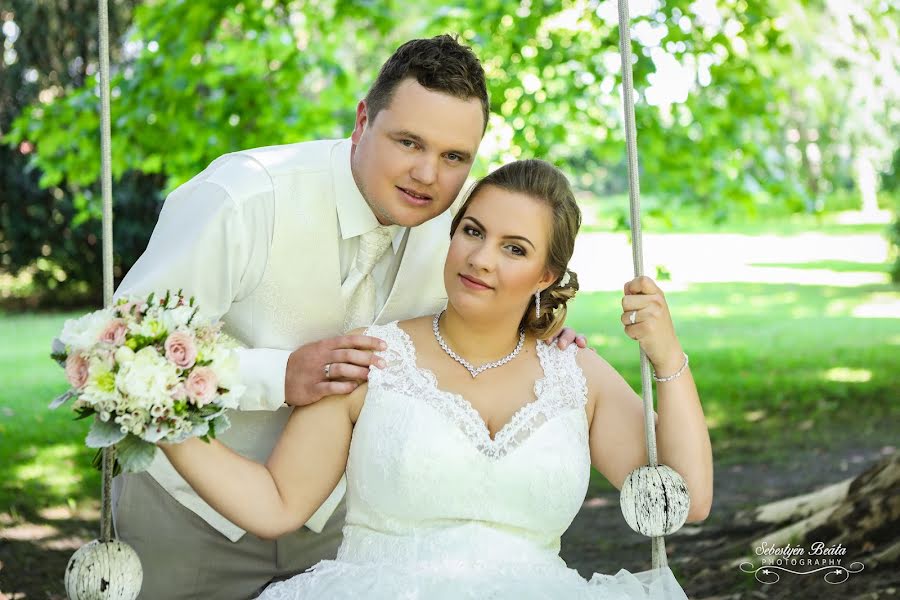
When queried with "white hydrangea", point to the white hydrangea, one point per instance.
{"points": [[81, 334], [224, 364], [148, 327], [146, 379], [124, 355], [176, 318]]}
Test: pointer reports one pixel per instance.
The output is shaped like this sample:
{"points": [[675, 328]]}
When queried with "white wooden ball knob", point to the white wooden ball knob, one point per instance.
{"points": [[655, 500], [104, 571]]}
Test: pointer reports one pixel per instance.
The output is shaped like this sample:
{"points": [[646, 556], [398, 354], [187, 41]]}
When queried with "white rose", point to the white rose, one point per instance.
{"points": [[83, 333]]}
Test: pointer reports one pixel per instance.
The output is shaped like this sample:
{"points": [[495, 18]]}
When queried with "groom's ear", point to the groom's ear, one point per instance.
{"points": [[362, 119]]}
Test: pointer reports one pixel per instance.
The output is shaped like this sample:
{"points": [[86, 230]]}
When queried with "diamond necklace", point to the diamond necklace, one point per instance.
{"points": [[472, 370]]}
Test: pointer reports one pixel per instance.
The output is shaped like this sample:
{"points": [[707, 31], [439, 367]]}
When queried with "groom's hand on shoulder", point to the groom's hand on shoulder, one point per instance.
{"points": [[566, 337], [330, 367]]}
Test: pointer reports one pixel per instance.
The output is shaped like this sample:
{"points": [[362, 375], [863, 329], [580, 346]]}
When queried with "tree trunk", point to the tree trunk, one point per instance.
{"points": [[867, 182], [854, 522]]}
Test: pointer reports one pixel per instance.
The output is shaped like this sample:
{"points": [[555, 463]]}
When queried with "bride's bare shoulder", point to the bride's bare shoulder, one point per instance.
{"points": [[415, 327], [599, 375]]}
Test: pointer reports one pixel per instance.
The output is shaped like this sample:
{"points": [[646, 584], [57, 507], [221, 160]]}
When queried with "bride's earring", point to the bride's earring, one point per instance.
{"points": [[537, 304]]}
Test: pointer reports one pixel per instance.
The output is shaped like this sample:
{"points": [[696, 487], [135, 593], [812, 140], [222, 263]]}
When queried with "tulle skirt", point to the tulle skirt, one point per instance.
{"points": [[458, 580]]}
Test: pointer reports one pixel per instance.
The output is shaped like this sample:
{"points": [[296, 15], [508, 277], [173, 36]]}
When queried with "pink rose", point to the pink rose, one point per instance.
{"points": [[77, 370], [114, 333], [181, 349], [201, 385]]}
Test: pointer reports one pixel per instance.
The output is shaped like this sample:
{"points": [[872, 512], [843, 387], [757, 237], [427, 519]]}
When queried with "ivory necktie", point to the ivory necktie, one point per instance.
{"points": [[358, 289]]}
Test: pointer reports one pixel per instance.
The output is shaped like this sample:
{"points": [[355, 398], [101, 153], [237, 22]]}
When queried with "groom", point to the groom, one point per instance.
{"points": [[291, 246]]}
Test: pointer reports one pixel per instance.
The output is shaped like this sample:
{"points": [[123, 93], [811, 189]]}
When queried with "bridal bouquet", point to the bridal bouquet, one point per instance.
{"points": [[147, 370]]}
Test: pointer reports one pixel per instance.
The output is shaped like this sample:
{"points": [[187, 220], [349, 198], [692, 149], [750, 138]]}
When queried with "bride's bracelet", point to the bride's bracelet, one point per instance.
{"points": [[677, 373]]}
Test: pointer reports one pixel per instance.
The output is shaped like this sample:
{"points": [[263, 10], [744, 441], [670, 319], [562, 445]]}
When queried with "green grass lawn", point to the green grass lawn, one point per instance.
{"points": [[44, 461], [778, 367], [607, 212]]}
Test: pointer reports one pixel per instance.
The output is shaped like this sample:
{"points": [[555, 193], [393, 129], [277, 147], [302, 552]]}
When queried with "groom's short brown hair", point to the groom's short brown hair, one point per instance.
{"points": [[440, 64]]}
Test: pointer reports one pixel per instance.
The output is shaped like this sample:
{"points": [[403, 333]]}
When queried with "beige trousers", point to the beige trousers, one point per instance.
{"points": [[184, 558]]}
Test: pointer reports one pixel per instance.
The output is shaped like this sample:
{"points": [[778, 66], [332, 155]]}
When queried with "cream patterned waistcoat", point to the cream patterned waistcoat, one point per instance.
{"points": [[298, 299]]}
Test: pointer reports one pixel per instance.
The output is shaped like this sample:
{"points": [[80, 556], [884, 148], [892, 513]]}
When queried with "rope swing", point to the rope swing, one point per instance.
{"points": [[106, 533], [654, 499], [106, 568]]}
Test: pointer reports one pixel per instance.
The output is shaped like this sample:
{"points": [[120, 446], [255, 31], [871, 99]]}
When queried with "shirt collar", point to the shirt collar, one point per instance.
{"points": [[354, 215]]}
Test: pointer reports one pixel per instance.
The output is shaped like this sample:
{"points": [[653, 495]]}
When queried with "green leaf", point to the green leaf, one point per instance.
{"points": [[200, 429], [62, 398], [219, 424], [97, 463], [84, 412], [103, 434], [134, 454]]}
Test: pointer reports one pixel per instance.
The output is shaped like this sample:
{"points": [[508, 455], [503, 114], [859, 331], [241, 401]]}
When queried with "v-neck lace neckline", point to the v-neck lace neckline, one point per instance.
{"points": [[561, 391], [511, 427]]}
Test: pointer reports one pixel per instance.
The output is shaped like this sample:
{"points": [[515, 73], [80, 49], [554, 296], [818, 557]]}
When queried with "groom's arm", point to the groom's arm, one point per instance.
{"points": [[215, 247]]}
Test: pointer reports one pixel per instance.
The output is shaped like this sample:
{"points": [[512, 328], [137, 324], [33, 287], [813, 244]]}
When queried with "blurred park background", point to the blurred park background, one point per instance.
{"points": [[768, 137]]}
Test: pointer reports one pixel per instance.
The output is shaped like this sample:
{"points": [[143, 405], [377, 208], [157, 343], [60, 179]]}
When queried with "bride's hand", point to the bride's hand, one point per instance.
{"points": [[647, 319]]}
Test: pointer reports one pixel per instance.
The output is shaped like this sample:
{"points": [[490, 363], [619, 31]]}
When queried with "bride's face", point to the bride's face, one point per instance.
{"points": [[498, 254]]}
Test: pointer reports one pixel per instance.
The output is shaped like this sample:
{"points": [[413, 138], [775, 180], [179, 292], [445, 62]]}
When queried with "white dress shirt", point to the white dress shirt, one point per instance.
{"points": [[263, 240], [216, 247]]}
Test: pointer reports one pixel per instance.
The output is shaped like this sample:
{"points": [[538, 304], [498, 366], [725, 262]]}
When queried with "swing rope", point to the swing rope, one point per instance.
{"points": [[634, 193], [106, 532]]}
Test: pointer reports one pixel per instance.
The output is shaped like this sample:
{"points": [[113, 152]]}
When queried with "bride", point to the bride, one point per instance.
{"points": [[468, 451]]}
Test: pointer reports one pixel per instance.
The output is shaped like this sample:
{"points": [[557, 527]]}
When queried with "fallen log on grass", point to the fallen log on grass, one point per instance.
{"points": [[855, 521]]}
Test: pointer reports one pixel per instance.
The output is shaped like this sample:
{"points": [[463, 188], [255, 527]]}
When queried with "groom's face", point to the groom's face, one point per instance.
{"points": [[411, 160]]}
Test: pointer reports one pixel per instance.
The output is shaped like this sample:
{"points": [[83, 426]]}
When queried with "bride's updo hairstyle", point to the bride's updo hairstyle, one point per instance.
{"points": [[543, 182]]}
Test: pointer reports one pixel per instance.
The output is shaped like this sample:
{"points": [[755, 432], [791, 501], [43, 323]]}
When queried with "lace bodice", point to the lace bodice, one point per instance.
{"points": [[562, 387], [437, 510], [422, 458]]}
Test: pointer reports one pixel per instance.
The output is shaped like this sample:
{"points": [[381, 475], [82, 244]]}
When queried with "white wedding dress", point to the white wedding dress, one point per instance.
{"points": [[437, 510]]}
